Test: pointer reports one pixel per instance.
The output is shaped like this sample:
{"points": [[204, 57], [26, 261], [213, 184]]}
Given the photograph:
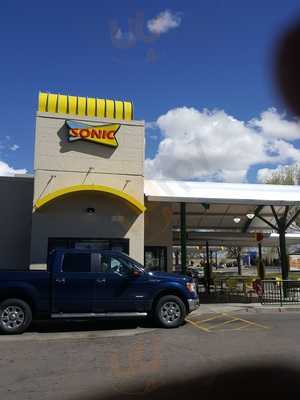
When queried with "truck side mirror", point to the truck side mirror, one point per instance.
{"points": [[136, 273]]}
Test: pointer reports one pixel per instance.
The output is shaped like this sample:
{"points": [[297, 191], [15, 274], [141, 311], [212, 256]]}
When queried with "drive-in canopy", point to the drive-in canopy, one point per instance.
{"points": [[213, 206], [227, 212], [222, 193]]}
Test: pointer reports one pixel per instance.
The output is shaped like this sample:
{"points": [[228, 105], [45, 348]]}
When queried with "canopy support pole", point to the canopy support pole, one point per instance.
{"points": [[183, 236], [238, 260], [207, 269], [283, 255], [281, 228], [261, 267]]}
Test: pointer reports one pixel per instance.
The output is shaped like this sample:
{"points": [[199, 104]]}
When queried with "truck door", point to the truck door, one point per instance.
{"points": [[73, 284], [117, 288]]}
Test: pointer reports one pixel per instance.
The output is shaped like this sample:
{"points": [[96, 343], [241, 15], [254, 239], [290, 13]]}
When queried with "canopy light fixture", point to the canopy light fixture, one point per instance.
{"points": [[237, 220], [250, 215], [90, 210]]}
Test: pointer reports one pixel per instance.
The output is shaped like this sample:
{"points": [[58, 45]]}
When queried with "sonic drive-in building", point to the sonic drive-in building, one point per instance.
{"points": [[87, 189]]}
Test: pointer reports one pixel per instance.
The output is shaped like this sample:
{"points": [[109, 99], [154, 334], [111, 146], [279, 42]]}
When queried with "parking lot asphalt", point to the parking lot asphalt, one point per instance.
{"points": [[126, 359]]}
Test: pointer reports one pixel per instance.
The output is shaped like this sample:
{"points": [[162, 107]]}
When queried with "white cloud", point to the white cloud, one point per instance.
{"points": [[163, 22], [122, 39], [265, 173], [273, 124], [4, 145], [6, 170], [153, 137], [120, 35], [151, 125], [212, 145]]}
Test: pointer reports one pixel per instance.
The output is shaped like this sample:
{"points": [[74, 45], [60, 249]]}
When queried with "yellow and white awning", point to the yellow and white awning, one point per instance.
{"points": [[85, 106]]}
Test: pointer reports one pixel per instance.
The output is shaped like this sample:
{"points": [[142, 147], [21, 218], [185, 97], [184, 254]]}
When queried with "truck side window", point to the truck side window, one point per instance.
{"points": [[76, 262], [105, 263], [114, 265]]}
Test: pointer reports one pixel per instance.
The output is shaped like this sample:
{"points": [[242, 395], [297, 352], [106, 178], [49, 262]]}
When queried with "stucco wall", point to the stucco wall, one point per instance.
{"points": [[67, 218], [53, 152], [50, 181], [16, 207], [60, 164]]}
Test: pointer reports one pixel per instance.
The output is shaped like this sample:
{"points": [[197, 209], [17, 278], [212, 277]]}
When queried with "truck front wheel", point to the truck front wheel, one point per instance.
{"points": [[170, 312], [15, 316]]}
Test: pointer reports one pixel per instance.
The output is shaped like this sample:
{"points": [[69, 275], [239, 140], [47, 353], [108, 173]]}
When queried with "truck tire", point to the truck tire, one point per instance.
{"points": [[170, 312], [15, 316]]}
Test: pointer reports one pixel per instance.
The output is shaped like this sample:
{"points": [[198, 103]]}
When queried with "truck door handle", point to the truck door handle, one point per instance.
{"points": [[101, 280], [60, 280]]}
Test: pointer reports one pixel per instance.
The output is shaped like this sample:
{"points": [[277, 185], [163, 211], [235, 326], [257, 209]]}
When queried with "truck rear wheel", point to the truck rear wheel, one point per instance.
{"points": [[170, 312], [15, 316]]}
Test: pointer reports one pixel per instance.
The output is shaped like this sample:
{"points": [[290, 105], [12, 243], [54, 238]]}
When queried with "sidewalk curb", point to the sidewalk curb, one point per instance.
{"points": [[277, 309], [234, 308], [272, 308]]}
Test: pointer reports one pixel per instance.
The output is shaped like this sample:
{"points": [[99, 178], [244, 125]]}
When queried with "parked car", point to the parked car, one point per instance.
{"points": [[93, 284], [195, 272]]}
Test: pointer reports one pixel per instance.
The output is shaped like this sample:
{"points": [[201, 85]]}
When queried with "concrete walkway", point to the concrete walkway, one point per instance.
{"points": [[242, 307]]}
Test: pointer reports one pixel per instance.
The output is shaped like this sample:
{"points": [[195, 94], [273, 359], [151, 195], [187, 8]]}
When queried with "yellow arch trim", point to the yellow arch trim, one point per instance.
{"points": [[93, 188]]}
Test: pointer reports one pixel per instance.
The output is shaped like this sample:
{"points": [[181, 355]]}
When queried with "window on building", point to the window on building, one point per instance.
{"points": [[88, 244], [156, 258]]}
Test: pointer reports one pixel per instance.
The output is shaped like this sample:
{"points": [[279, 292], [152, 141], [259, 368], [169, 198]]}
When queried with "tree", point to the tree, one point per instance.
{"points": [[235, 252], [287, 175]]}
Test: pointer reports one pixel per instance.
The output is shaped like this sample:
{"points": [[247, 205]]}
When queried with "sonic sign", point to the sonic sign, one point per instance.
{"points": [[103, 134]]}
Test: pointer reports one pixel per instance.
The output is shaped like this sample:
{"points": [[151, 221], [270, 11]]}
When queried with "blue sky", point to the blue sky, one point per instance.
{"points": [[214, 54]]}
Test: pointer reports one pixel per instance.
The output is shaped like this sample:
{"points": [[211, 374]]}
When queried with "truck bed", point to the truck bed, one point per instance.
{"points": [[35, 285]]}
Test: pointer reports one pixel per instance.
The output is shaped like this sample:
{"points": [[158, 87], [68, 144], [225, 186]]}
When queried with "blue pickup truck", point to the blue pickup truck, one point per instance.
{"points": [[93, 284]]}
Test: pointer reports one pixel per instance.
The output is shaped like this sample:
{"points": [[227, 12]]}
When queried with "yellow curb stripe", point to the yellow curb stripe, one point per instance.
{"points": [[197, 326], [210, 319], [250, 322], [223, 323], [242, 327]]}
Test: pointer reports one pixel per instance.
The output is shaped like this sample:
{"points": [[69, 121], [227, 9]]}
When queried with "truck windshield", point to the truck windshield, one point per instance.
{"points": [[134, 264]]}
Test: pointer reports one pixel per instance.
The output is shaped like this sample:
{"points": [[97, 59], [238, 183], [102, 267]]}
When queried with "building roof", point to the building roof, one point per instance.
{"points": [[17, 177]]}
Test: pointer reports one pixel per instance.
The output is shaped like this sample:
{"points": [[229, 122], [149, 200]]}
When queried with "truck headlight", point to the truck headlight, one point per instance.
{"points": [[191, 287]]}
